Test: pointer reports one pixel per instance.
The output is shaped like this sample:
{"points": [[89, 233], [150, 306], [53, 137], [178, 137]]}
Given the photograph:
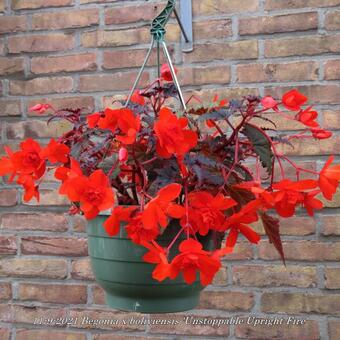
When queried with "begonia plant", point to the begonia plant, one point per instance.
{"points": [[150, 164]]}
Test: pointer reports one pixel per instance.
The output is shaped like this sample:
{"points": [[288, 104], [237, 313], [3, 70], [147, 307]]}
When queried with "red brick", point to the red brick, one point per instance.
{"points": [[2, 46], [334, 329], [29, 314], [78, 223], [5, 333], [309, 330], [71, 63], [63, 294], [206, 95], [65, 246], [302, 251], [81, 269], [108, 82], [48, 334], [330, 225], [332, 69], [41, 86], [110, 336], [46, 221], [8, 245], [103, 319], [130, 58], [297, 226], [5, 291], [2, 5], [33, 4], [10, 24], [129, 14], [300, 303], [204, 75], [332, 278], [242, 251], [284, 72], [8, 197], [332, 22], [49, 198], [25, 267], [212, 29], [37, 129], [284, 4], [311, 147], [278, 23], [220, 7], [10, 108], [317, 94], [65, 19], [276, 276], [125, 37], [186, 324], [41, 43], [9, 66], [221, 278], [98, 295], [245, 49], [300, 46], [226, 300], [87, 103], [331, 119]]}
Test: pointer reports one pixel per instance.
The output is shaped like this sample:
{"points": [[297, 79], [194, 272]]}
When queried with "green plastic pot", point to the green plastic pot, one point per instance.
{"points": [[127, 280]]}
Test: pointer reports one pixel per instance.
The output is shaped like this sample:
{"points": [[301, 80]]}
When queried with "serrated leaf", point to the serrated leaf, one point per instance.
{"points": [[272, 228], [261, 145]]}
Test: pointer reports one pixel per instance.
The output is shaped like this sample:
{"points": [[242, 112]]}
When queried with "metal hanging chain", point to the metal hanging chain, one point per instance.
{"points": [[158, 33]]}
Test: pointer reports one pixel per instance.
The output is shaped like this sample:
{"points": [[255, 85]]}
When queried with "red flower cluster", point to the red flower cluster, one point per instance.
{"points": [[93, 193], [29, 164], [166, 170]]}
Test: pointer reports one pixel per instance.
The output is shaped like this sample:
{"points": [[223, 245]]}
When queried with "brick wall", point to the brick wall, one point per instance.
{"points": [[80, 53]]}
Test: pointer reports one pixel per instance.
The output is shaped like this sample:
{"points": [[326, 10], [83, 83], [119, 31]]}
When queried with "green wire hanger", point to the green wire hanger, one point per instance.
{"points": [[158, 33]]}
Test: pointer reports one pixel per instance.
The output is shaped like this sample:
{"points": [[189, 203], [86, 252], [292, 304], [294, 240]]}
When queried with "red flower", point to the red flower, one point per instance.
{"points": [[157, 255], [264, 198], [290, 194], [40, 108], [293, 100], [321, 133], [6, 165], [123, 119], [270, 103], [93, 193], [166, 73], [192, 259], [308, 117], [56, 152], [137, 98], [27, 161], [93, 119], [110, 119], [329, 179], [31, 190], [65, 174], [172, 136], [129, 125], [207, 211], [311, 203], [157, 210], [138, 232], [237, 223], [119, 214]]}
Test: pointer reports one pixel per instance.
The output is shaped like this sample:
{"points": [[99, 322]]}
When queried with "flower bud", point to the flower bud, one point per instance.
{"points": [[123, 155]]}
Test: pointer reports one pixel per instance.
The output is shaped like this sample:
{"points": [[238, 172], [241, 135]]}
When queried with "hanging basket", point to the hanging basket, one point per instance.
{"points": [[127, 280]]}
